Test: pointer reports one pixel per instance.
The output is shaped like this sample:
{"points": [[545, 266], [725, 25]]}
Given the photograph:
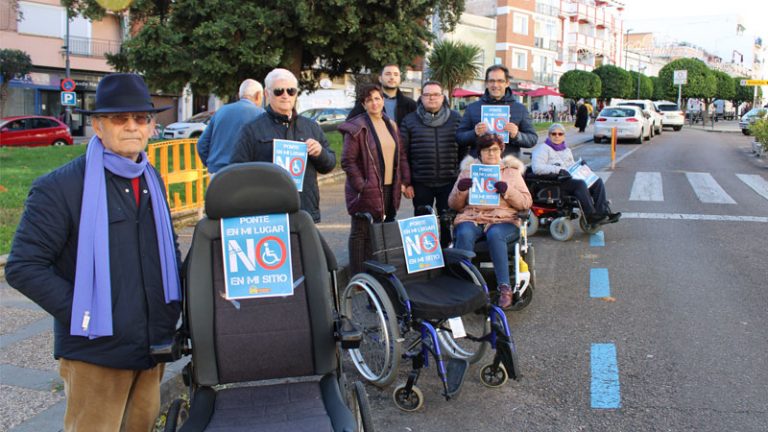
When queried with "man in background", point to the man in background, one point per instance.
{"points": [[396, 104]]}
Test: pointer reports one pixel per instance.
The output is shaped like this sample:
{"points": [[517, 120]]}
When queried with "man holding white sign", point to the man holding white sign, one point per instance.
{"points": [[280, 122]]}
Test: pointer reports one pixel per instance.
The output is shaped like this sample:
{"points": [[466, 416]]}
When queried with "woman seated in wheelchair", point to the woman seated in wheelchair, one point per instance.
{"points": [[554, 157], [498, 223]]}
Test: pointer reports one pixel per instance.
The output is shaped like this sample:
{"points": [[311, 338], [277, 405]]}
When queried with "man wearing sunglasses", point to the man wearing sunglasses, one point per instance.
{"points": [[497, 92], [396, 104], [280, 121], [96, 249]]}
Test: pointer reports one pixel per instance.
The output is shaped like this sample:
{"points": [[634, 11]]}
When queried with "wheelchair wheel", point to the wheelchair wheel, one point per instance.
{"points": [[476, 325], [408, 403], [493, 378], [587, 228], [523, 301], [366, 304], [363, 411], [176, 415], [533, 225], [561, 229], [530, 259]]}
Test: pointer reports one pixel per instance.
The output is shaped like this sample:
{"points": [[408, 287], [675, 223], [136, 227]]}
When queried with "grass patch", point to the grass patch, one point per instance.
{"points": [[19, 167], [336, 142]]}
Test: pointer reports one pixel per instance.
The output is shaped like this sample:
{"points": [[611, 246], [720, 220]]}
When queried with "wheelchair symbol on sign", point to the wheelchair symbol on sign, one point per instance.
{"points": [[498, 124], [488, 184], [270, 253], [296, 166], [428, 242]]}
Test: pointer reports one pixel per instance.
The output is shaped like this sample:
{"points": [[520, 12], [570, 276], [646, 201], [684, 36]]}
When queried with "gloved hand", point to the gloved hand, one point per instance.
{"points": [[564, 174], [464, 184], [583, 162], [501, 187]]}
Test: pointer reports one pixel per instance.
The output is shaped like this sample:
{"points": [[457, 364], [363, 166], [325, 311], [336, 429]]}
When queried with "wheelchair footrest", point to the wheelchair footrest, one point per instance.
{"points": [[456, 370]]}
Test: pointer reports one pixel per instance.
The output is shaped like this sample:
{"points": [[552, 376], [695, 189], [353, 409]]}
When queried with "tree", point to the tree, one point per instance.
{"points": [[214, 45], [13, 63], [616, 82], [702, 84], [453, 64], [658, 91], [646, 86], [579, 84], [726, 88], [743, 93]]}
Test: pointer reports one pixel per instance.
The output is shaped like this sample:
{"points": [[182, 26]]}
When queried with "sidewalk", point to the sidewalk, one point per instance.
{"points": [[727, 126], [31, 392]]}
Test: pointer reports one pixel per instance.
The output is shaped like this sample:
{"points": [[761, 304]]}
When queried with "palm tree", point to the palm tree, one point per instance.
{"points": [[453, 64]]}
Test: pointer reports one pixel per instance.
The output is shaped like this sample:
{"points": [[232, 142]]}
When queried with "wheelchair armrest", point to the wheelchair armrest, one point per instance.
{"points": [[378, 267], [453, 254], [349, 335], [170, 351]]}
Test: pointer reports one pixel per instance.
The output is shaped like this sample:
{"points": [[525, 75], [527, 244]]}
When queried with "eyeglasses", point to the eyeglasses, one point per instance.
{"points": [[557, 134], [279, 91], [491, 150], [431, 95], [498, 81], [141, 119]]}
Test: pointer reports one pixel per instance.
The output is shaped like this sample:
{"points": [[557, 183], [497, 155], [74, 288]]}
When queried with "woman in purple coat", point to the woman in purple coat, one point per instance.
{"points": [[377, 170]]}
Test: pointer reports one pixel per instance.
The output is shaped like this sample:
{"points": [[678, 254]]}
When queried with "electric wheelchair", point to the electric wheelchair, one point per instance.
{"points": [[263, 364], [413, 317], [554, 209]]}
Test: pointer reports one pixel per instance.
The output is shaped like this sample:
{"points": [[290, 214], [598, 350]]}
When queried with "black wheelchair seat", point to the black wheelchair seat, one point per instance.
{"points": [[444, 297]]}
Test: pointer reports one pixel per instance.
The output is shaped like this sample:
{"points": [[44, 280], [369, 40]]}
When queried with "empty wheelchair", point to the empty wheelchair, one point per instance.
{"points": [[413, 317], [554, 209], [267, 363]]}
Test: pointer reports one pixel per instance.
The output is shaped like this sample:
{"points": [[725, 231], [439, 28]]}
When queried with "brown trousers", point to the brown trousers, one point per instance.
{"points": [[103, 399]]}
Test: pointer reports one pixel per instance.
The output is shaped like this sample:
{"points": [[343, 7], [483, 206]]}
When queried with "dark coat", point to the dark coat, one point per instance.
{"points": [[433, 153], [405, 106], [363, 163], [518, 114], [255, 145], [42, 266], [582, 114]]}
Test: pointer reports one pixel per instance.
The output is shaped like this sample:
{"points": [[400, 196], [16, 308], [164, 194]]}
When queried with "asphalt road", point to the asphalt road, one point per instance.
{"points": [[686, 313]]}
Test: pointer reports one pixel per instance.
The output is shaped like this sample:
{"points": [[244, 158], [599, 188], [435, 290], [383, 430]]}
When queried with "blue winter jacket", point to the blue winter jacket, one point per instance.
{"points": [[518, 114], [217, 143]]}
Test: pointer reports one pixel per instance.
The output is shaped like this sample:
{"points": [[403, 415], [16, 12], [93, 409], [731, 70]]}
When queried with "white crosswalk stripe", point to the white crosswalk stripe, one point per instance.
{"points": [[647, 187], [605, 175], [707, 189], [757, 183]]}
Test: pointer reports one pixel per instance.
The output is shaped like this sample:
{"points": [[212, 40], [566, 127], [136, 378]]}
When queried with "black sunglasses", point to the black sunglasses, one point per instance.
{"points": [[291, 91], [557, 134]]}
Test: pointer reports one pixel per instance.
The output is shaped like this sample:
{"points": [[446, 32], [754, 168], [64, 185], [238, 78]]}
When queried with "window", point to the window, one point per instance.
{"points": [[48, 20], [519, 60], [520, 24]]}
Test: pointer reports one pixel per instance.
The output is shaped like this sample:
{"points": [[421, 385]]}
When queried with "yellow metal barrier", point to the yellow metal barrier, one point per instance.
{"points": [[185, 176]]}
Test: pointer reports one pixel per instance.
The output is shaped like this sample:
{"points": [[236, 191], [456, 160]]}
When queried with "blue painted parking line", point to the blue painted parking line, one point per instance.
{"points": [[597, 239], [605, 377], [599, 286]]}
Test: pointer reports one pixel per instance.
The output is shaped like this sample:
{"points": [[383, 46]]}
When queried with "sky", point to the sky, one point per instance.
{"points": [[694, 21]]}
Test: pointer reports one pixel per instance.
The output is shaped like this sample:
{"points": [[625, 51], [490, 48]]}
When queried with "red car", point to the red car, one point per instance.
{"points": [[32, 131]]}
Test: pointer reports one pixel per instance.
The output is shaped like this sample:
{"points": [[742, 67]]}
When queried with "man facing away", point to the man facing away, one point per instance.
{"points": [[96, 249], [217, 142], [497, 92], [396, 104], [429, 140], [255, 142]]}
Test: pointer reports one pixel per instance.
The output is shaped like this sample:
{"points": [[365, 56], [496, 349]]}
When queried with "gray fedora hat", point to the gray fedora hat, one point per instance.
{"points": [[123, 92]]}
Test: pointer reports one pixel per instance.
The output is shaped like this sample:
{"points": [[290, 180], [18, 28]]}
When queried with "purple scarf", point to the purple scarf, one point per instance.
{"points": [[555, 147], [92, 300]]}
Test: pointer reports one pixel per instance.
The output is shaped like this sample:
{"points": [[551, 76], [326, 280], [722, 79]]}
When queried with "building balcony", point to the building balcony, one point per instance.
{"points": [[545, 78], [88, 47], [545, 9], [551, 45]]}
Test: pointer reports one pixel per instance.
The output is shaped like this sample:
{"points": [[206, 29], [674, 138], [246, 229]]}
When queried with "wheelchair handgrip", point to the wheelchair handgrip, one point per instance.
{"points": [[523, 215], [378, 267], [170, 351]]}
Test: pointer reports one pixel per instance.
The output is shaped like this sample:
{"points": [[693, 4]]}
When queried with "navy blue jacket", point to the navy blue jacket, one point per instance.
{"points": [[217, 142], [255, 145], [42, 266], [433, 153], [518, 114]]}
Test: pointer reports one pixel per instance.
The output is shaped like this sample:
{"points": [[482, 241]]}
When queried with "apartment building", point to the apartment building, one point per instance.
{"points": [[39, 28]]}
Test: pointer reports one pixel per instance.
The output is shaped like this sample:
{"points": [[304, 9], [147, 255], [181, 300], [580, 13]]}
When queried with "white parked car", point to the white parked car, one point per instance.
{"points": [[193, 127], [630, 123], [673, 115], [657, 119]]}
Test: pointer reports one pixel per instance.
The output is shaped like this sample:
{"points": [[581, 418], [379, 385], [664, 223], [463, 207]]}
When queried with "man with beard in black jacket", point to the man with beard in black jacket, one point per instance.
{"points": [[429, 140], [521, 132], [396, 104], [255, 143]]}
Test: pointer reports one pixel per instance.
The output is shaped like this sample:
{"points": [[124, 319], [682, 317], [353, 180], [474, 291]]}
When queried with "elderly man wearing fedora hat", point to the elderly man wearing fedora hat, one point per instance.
{"points": [[96, 249]]}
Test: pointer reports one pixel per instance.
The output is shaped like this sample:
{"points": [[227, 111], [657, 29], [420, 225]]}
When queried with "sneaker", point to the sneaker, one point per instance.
{"points": [[505, 296], [614, 217]]}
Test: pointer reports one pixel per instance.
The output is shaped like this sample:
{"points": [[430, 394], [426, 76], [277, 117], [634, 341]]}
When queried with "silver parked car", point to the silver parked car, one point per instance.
{"points": [[192, 127]]}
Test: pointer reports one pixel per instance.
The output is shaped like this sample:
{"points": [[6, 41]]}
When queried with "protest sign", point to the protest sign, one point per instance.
{"points": [[496, 117], [583, 173], [291, 155], [421, 243], [257, 256], [482, 191]]}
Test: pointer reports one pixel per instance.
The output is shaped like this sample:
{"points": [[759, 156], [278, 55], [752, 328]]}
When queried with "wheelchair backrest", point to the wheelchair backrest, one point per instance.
{"points": [[387, 247], [263, 338]]}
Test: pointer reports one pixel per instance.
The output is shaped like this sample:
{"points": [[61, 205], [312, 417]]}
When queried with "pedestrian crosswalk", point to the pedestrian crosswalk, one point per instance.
{"points": [[650, 186]]}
